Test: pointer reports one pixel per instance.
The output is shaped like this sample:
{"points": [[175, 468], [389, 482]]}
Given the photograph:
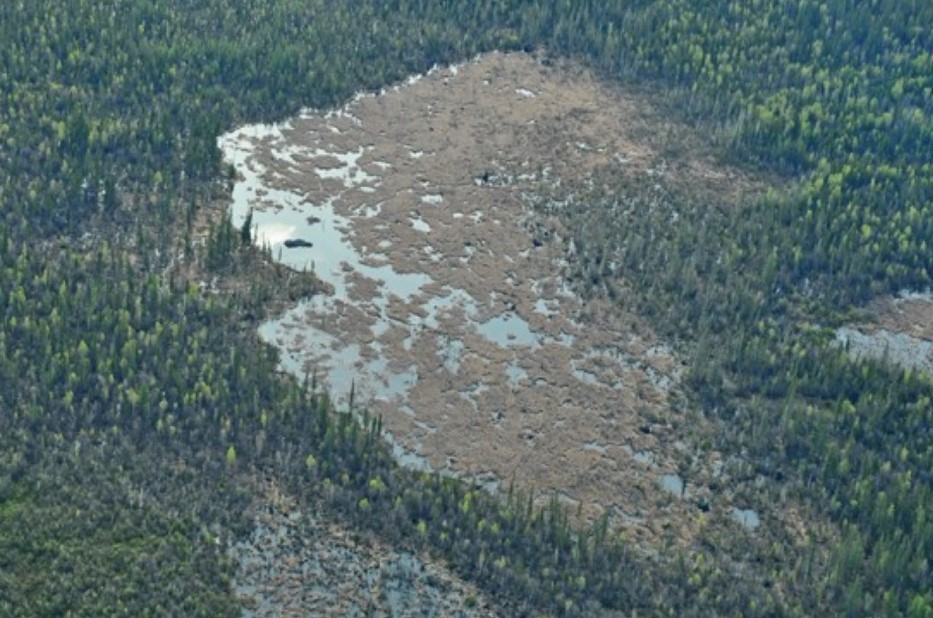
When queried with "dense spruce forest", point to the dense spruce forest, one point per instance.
{"points": [[133, 402]]}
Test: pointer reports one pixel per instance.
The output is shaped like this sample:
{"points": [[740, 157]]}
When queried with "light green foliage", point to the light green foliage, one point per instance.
{"points": [[108, 123]]}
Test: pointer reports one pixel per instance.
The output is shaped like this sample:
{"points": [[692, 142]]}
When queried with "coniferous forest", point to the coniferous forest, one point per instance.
{"points": [[132, 400]]}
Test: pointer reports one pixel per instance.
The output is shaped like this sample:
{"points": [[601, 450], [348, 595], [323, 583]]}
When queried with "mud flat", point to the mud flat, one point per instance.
{"points": [[449, 315]]}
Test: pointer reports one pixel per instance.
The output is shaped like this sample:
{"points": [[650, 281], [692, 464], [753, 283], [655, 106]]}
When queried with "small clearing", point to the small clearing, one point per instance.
{"points": [[900, 331]]}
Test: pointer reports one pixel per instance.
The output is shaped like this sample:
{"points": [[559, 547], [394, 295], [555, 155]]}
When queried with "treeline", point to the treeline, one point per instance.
{"points": [[128, 415], [850, 438], [109, 112], [837, 92], [113, 109]]}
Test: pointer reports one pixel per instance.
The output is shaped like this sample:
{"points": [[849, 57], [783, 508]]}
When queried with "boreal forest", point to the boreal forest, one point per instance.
{"points": [[140, 412]]}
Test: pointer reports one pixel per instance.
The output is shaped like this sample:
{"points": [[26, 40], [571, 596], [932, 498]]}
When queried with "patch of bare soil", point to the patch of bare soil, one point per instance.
{"points": [[911, 315], [297, 564], [450, 315], [899, 330]]}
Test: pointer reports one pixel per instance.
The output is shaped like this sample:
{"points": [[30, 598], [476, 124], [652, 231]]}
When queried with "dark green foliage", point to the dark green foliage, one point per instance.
{"points": [[854, 438], [80, 536], [130, 414], [246, 231], [742, 288], [134, 95], [109, 376]]}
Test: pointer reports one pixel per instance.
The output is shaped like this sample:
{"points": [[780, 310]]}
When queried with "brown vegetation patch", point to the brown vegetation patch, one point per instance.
{"points": [[492, 369], [912, 315]]}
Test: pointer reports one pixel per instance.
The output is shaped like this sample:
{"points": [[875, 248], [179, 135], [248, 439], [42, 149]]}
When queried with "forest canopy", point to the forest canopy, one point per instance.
{"points": [[116, 376]]}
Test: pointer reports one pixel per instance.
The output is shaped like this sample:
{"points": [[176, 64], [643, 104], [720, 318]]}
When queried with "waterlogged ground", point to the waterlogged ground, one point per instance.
{"points": [[449, 315]]}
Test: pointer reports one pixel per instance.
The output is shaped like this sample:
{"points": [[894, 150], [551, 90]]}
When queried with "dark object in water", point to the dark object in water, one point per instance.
{"points": [[291, 243]]}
